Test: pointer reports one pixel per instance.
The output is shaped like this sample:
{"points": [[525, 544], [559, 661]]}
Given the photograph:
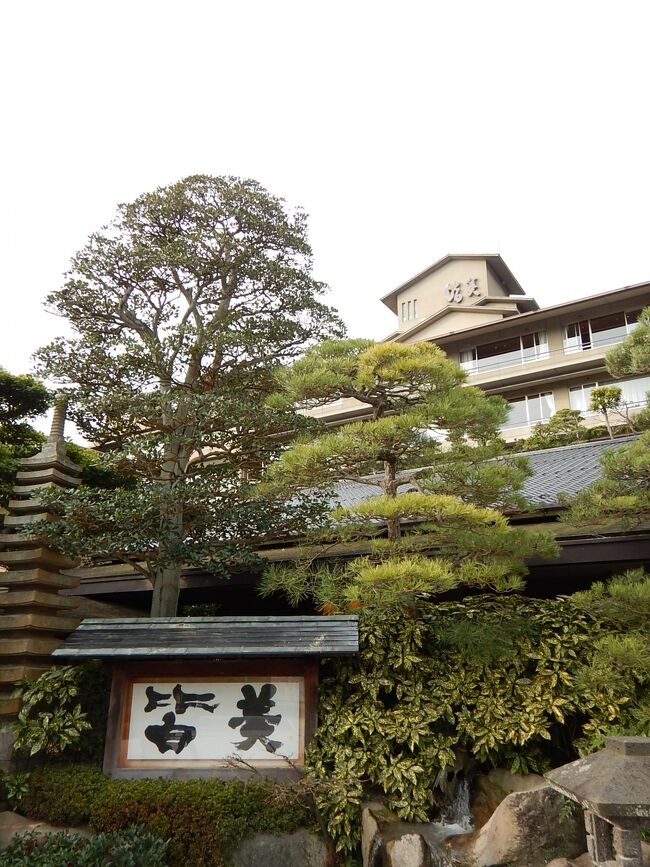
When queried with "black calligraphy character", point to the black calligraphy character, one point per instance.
{"points": [[192, 699], [256, 723], [156, 699], [170, 735]]}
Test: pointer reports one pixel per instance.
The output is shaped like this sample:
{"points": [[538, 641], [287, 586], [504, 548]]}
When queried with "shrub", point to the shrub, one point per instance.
{"points": [[131, 848], [495, 677], [203, 820], [63, 711], [63, 794]]}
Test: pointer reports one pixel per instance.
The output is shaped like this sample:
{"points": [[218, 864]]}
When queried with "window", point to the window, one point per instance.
{"points": [[415, 311], [530, 410], [505, 353], [580, 396], [633, 392], [600, 331], [403, 311], [409, 308]]}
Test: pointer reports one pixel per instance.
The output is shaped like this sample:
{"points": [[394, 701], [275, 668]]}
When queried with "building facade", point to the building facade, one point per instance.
{"points": [[539, 360]]}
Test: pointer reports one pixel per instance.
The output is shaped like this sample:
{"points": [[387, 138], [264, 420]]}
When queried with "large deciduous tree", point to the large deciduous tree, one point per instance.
{"points": [[429, 450], [181, 309]]}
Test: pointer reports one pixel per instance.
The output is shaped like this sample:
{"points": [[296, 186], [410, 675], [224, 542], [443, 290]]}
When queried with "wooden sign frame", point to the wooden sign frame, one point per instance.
{"points": [[125, 675]]}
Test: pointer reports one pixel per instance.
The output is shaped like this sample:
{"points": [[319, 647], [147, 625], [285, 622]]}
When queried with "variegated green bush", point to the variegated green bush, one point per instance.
{"points": [[498, 677]]}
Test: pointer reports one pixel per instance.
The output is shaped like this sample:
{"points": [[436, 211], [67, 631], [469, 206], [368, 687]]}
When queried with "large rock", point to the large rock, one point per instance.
{"points": [[375, 818], [490, 789], [408, 850], [301, 848], [528, 829], [509, 782]]}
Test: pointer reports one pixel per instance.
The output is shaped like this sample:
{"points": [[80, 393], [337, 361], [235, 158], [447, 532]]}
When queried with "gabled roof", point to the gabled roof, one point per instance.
{"points": [[494, 260]]}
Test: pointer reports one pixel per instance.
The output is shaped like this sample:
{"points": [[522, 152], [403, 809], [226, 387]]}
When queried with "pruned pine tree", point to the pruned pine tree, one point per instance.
{"points": [[428, 452], [181, 309], [622, 495], [632, 356]]}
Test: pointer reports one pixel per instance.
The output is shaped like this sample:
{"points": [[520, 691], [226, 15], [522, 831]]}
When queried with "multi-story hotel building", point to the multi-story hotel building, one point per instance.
{"points": [[539, 360]]}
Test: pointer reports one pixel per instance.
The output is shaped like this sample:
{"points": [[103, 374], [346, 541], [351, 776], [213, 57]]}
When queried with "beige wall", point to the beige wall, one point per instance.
{"points": [[458, 320], [495, 289], [430, 291]]}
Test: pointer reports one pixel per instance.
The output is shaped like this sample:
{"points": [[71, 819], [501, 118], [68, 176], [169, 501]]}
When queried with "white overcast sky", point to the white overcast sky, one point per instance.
{"points": [[406, 130]]}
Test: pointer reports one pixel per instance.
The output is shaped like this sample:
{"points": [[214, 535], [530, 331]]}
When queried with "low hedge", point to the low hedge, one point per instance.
{"points": [[204, 820], [63, 794], [129, 848]]}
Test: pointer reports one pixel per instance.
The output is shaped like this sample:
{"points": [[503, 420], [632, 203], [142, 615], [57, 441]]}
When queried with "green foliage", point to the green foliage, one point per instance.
{"points": [[605, 399], [130, 848], [499, 677], [622, 654], [63, 794], [181, 309], [204, 820], [632, 356], [21, 397], [414, 398], [562, 429], [98, 472], [622, 495], [64, 710], [14, 787]]}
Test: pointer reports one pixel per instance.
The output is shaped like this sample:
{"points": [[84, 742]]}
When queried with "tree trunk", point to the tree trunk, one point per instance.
{"points": [[166, 589], [608, 424], [390, 487]]}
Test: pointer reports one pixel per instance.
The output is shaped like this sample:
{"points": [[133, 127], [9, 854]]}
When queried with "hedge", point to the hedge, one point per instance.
{"points": [[204, 820], [130, 848]]}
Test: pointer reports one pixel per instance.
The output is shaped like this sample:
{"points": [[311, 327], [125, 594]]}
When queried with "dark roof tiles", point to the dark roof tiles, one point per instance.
{"points": [[211, 637], [564, 470]]}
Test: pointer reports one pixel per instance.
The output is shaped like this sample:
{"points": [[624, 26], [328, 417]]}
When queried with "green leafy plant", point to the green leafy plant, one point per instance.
{"points": [[204, 820], [498, 677], [50, 717], [15, 787], [63, 710], [132, 847]]}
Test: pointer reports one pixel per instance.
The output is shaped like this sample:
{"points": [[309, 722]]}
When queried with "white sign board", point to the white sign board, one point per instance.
{"points": [[202, 722]]}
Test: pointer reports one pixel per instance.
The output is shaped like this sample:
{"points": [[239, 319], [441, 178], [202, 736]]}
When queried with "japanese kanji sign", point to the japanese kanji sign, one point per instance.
{"points": [[190, 721]]}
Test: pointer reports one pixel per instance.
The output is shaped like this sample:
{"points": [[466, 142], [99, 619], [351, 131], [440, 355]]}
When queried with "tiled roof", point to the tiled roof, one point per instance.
{"points": [[564, 470], [210, 637]]}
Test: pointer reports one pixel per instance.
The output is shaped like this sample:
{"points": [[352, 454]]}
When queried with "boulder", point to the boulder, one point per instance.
{"points": [[301, 847], [375, 818], [528, 829], [509, 782], [408, 850]]}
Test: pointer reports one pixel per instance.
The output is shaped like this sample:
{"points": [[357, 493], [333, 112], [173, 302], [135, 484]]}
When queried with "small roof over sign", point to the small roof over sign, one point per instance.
{"points": [[210, 637]]}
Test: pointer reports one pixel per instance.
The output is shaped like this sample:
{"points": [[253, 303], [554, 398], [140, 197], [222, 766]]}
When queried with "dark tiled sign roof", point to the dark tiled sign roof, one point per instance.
{"points": [[565, 470], [212, 637]]}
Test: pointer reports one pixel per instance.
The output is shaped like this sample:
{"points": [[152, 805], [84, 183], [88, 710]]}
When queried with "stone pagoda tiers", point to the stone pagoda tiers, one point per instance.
{"points": [[34, 617]]}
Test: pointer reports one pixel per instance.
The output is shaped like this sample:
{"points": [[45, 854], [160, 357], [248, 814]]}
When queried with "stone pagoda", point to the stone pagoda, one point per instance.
{"points": [[34, 616]]}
